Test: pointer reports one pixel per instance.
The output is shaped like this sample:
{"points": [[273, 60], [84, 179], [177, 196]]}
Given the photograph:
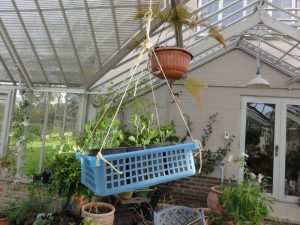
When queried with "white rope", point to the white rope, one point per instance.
{"points": [[137, 82], [197, 142], [174, 98], [108, 106], [132, 72], [154, 100], [200, 148], [147, 46]]}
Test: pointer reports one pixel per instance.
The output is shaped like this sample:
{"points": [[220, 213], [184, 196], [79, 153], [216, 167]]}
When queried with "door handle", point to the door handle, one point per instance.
{"points": [[276, 150]]}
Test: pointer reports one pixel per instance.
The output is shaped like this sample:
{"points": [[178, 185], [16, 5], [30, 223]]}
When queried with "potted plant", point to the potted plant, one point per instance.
{"points": [[174, 61], [245, 202], [93, 135], [99, 213], [66, 179], [3, 220]]}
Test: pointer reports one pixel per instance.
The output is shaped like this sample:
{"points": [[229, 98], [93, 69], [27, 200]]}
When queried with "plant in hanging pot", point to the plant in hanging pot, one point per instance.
{"points": [[173, 62]]}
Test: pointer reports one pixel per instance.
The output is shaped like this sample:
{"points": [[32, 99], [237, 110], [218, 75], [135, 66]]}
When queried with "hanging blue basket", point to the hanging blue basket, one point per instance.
{"points": [[140, 169]]}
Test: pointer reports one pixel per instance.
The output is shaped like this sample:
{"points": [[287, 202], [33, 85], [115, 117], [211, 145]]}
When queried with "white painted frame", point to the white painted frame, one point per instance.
{"points": [[283, 112], [276, 159], [8, 96]]}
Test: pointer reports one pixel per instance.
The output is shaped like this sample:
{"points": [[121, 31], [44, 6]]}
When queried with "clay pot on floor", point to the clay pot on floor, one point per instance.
{"points": [[213, 199], [99, 212], [4, 220], [78, 201]]}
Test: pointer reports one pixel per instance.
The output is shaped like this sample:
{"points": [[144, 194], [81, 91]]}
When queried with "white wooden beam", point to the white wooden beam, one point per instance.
{"points": [[37, 4], [113, 12], [72, 40], [14, 54], [30, 41], [81, 117], [88, 14], [125, 49], [45, 123], [280, 27], [229, 32], [7, 70]]}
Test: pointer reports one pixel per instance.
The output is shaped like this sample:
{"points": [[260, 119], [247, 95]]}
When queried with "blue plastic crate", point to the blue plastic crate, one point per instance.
{"points": [[140, 169], [179, 215]]}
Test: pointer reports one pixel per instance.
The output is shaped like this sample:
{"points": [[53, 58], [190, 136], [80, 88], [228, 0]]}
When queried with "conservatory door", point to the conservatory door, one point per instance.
{"points": [[270, 136], [6, 105], [289, 186]]}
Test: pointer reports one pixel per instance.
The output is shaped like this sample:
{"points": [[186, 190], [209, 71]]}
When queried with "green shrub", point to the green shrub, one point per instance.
{"points": [[246, 202]]}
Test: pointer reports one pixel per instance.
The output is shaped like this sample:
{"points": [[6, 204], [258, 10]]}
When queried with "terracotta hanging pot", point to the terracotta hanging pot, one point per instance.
{"points": [[174, 62]]}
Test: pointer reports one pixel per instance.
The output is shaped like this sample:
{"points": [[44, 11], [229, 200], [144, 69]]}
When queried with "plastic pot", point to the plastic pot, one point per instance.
{"points": [[174, 62]]}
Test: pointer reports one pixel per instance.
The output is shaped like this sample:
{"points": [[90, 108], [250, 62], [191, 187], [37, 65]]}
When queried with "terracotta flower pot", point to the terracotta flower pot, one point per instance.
{"points": [[78, 201], [213, 199], [174, 62], [99, 212], [4, 220]]}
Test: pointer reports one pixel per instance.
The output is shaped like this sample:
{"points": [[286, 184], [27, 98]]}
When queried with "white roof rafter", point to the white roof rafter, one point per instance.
{"points": [[30, 41], [72, 40]]}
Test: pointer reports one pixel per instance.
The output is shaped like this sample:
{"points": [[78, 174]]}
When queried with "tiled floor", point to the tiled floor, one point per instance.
{"points": [[286, 212]]}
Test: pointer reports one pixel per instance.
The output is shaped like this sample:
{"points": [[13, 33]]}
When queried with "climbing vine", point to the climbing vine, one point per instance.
{"points": [[211, 159]]}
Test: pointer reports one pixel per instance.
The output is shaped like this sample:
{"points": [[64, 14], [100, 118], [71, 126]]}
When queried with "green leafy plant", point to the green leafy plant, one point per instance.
{"points": [[66, 177], [246, 202], [144, 134], [87, 221], [95, 131], [21, 211], [210, 159]]}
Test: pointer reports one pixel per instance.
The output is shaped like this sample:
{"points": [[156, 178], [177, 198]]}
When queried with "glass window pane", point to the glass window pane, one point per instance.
{"points": [[292, 163]]}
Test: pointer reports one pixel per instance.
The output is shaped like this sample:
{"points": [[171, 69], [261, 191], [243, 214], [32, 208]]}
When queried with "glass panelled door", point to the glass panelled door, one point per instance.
{"points": [[6, 107], [290, 143], [270, 135], [259, 145]]}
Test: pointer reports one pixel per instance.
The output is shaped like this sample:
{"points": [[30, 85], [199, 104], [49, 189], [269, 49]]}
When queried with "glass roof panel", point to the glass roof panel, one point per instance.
{"points": [[74, 56]]}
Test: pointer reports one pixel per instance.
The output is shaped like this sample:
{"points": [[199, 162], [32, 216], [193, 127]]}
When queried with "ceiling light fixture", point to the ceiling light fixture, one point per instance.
{"points": [[258, 82]]}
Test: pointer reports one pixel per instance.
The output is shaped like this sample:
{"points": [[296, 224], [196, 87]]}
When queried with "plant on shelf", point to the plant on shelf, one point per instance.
{"points": [[178, 16], [65, 179]]}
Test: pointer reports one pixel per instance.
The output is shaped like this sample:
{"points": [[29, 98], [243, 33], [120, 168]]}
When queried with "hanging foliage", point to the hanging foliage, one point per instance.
{"points": [[195, 86], [179, 16]]}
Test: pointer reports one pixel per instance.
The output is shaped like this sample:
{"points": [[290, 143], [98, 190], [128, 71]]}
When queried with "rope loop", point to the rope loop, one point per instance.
{"points": [[101, 157], [200, 148]]}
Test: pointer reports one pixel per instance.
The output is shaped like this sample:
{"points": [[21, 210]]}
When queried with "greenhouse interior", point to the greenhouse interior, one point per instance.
{"points": [[141, 112]]}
